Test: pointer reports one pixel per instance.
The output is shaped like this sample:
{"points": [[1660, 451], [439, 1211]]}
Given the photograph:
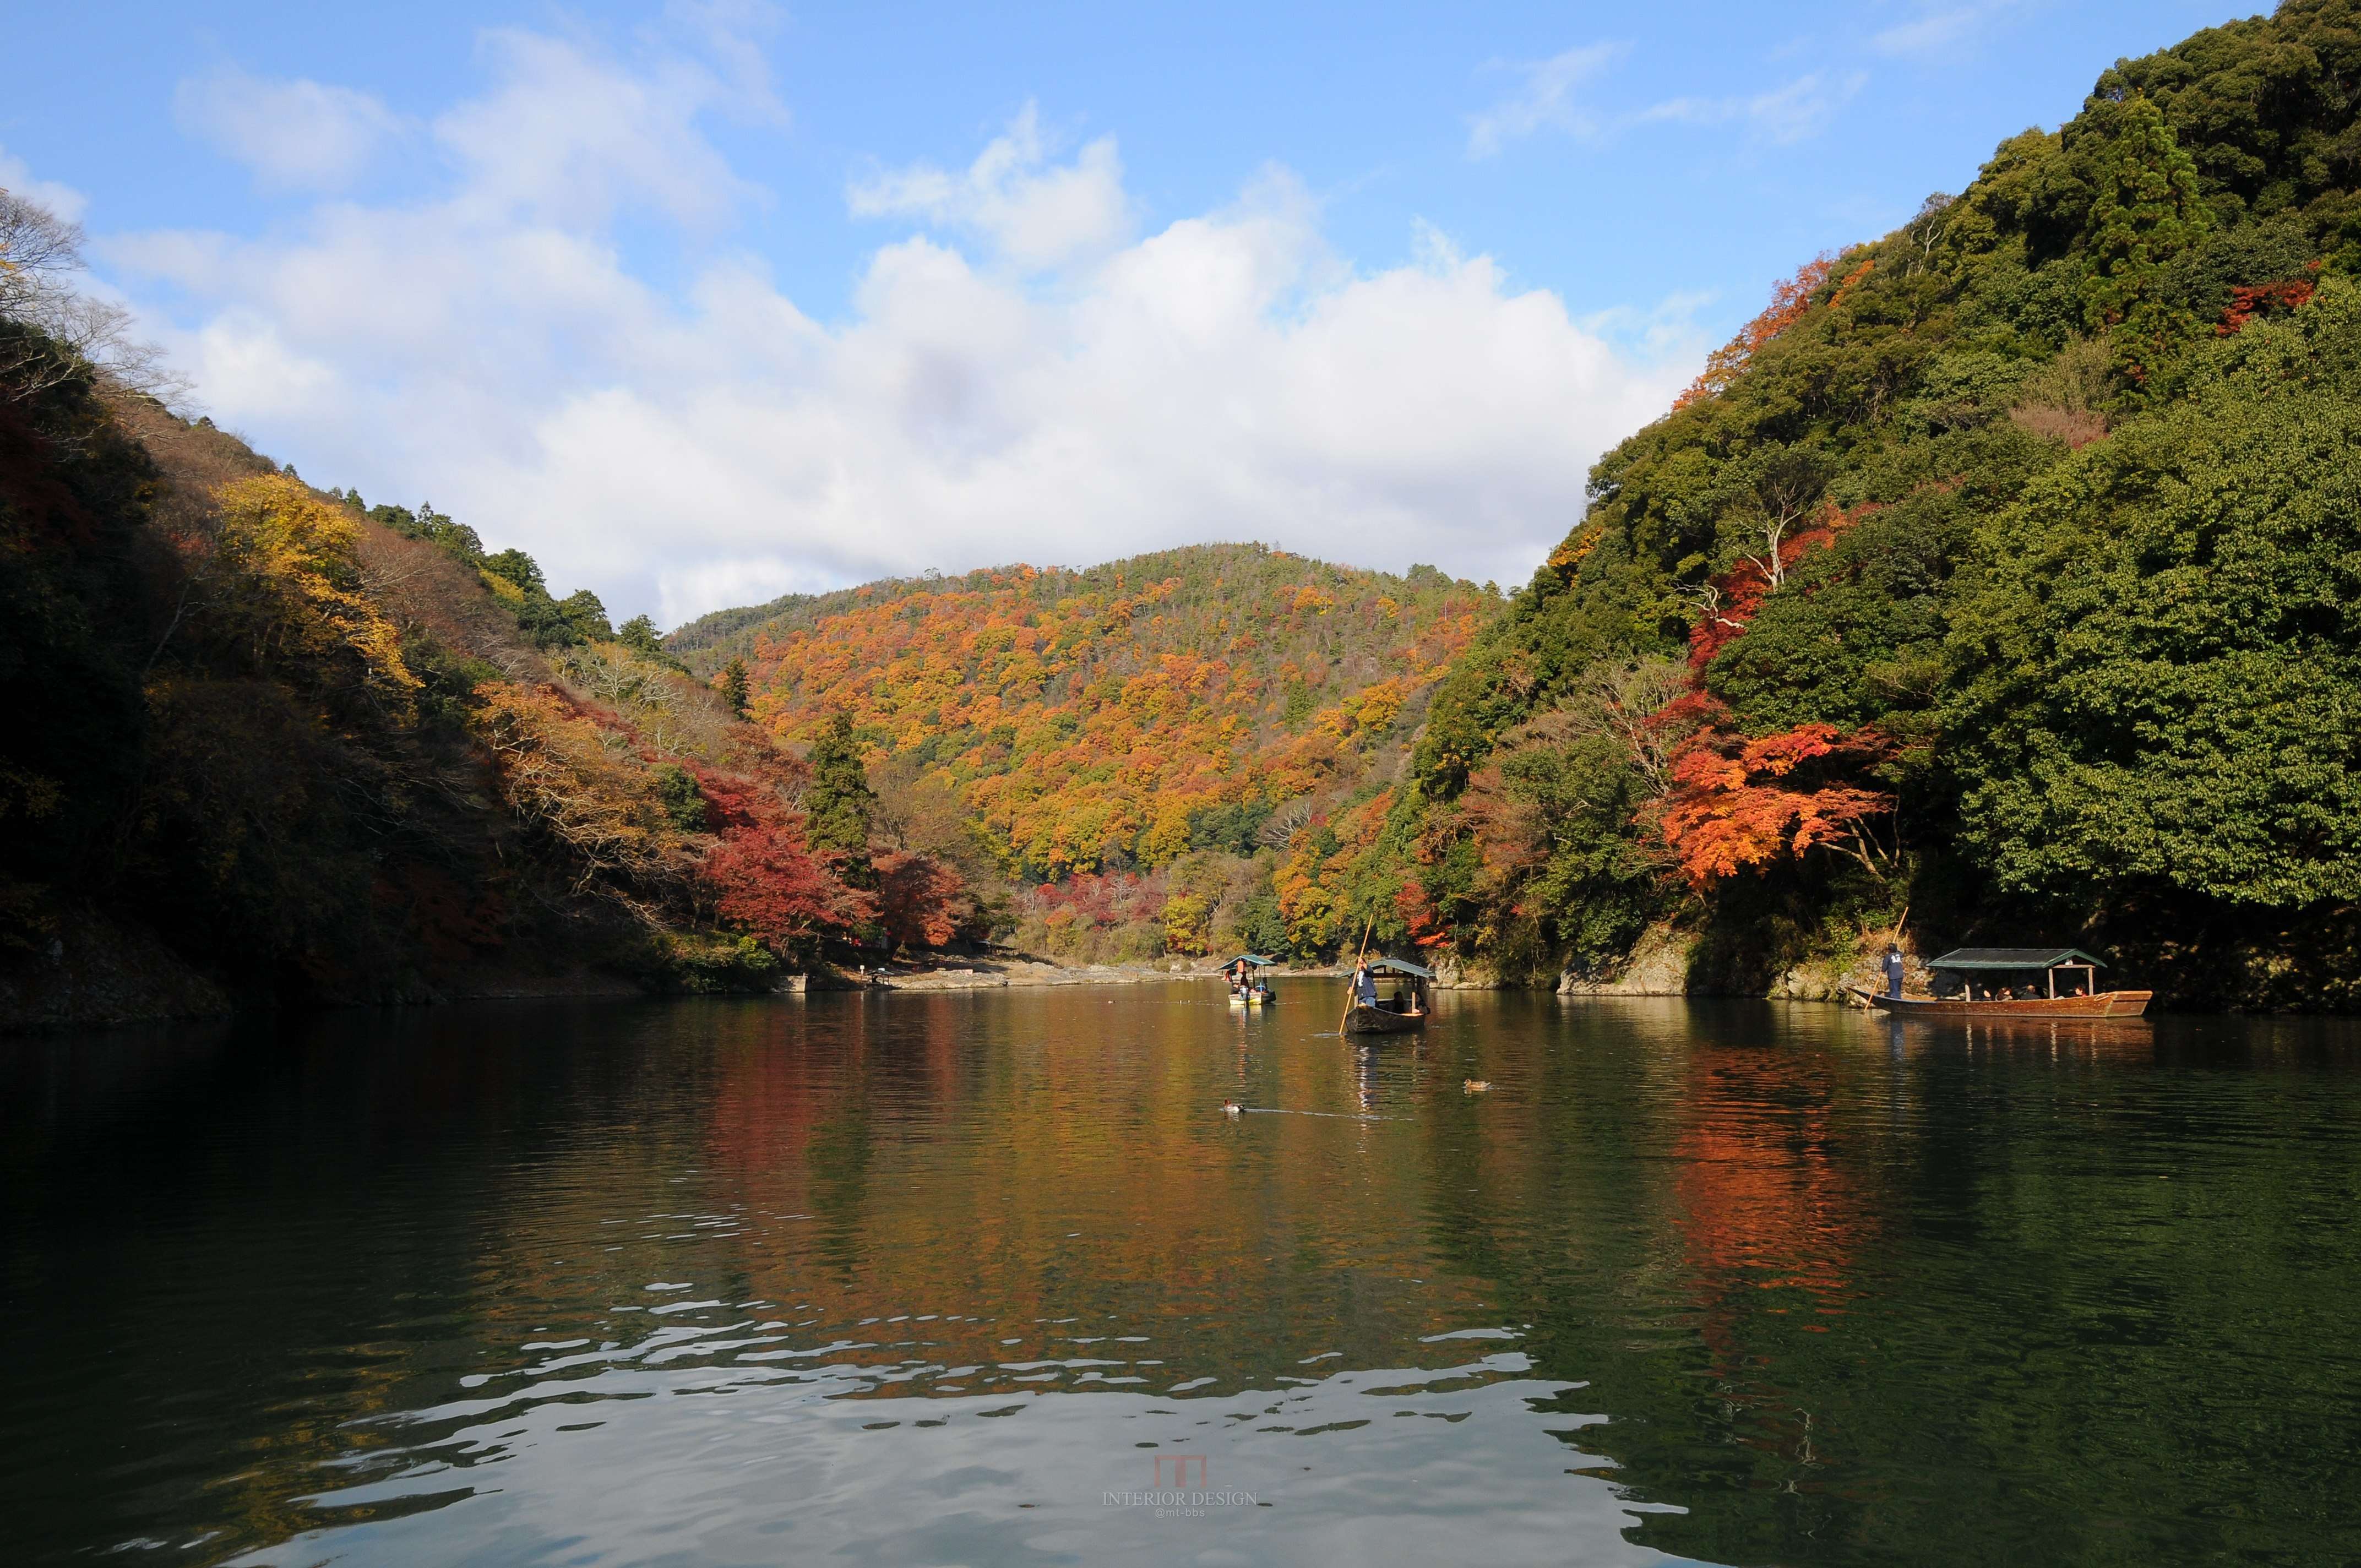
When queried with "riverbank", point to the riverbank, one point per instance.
{"points": [[995, 972]]}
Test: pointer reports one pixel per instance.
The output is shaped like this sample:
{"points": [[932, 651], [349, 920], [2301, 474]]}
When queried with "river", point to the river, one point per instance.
{"points": [[992, 1278]]}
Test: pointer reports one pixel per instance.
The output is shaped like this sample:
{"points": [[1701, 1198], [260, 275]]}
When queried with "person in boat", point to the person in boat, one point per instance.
{"points": [[1364, 985], [1894, 969]]}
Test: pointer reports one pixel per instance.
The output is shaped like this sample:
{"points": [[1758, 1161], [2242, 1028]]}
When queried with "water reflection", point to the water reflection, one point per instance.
{"points": [[933, 1277]]}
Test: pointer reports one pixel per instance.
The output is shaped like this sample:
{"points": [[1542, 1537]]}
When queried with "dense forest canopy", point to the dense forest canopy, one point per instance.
{"points": [[2001, 576]]}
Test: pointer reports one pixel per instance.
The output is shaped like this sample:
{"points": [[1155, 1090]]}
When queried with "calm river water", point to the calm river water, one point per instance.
{"points": [[990, 1278]]}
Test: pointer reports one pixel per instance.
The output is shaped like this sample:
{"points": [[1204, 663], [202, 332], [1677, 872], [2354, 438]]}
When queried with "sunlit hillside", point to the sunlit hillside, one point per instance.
{"points": [[1117, 717]]}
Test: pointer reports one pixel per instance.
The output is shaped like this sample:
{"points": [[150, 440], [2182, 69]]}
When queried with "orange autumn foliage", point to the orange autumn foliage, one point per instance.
{"points": [[1739, 804], [1088, 717], [2253, 299], [915, 899], [1789, 300]]}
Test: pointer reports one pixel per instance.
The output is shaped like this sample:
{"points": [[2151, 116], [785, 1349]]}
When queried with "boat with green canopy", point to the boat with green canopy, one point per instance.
{"points": [[1383, 1009], [1247, 988], [2014, 982]]}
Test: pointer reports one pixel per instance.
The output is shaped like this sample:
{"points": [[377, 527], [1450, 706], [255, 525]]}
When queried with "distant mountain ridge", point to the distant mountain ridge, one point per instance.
{"points": [[1122, 715]]}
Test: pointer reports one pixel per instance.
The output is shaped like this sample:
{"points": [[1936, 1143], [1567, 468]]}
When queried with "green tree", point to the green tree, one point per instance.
{"points": [[1261, 927], [639, 635], [840, 805], [2158, 665], [733, 686], [516, 566], [2148, 212], [586, 616], [683, 801]]}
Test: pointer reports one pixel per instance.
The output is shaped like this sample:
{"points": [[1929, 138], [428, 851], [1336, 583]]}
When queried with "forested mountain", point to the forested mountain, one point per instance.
{"points": [[265, 740], [1157, 731], [2002, 578]]}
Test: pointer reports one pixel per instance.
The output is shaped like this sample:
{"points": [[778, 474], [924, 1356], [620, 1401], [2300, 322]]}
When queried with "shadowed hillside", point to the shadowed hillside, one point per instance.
{"points": [[267, 742]]}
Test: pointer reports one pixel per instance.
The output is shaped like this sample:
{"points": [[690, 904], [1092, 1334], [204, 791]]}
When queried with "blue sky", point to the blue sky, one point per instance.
{"points": [[704, 303]]}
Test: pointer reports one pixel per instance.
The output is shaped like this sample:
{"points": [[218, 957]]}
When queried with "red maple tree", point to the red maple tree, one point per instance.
{"points": [[763, 876], [1737, 804], [915, 894]]}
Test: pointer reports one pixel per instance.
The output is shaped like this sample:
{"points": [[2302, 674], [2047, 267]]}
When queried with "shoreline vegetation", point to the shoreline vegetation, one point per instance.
{"points": [[1996, 583]]}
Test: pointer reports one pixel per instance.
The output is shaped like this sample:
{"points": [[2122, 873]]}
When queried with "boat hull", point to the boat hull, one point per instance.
{"points": [[1377, 1021], [2106, 1004]]}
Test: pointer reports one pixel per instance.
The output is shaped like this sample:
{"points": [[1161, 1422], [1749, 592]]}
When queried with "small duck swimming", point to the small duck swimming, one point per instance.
{"points": [[1231, 1108], [1474, 1085]]}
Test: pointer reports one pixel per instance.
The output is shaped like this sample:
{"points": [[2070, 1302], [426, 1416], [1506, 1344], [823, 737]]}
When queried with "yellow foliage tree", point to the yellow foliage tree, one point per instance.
{"points": [[560, 775], [289, 581]]}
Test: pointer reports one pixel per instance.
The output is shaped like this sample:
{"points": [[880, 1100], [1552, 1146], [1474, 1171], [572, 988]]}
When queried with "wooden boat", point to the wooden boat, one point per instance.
{"points": [[2106, 1004], [1974, 969], [1397, 1016], [1246, 991]]}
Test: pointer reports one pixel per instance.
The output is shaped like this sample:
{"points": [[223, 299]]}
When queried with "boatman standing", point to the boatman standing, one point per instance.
{"points": [[1364, 985], [1894, 970]]}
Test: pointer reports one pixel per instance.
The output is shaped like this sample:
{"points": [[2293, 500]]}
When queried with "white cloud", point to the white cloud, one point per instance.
{"points": [[569, 138], [1786, 114], [64, 201], [1036, 215], [1546, 101], [1226, 377], [293, 134]]}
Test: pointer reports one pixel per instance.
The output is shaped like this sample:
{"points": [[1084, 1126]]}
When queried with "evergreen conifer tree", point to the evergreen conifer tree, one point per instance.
{"points": [[2148, 211], [641, 636], [840, 804]]}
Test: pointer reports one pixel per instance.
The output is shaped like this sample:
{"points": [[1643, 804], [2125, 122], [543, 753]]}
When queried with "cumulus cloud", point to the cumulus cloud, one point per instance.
{"points": [[1545, 100], [1036, 214], [293, 134], [568, 138], [680, 448]]}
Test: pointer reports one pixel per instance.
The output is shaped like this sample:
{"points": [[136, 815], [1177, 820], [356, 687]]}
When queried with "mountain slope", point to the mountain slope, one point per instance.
{"points": [[270, 742], [1120, 717], [1999, 579]]}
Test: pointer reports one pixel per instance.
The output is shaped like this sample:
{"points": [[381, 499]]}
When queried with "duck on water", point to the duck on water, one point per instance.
{"points": [[1985, 982]]}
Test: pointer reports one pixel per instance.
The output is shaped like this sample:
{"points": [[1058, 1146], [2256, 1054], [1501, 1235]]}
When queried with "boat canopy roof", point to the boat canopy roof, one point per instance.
{"points": [[1255, 958], [1401, 966], [2013, 958]]}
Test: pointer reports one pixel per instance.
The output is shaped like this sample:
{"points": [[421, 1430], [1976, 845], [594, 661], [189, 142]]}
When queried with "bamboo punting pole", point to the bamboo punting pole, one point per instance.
{"points": [[1349, 999]]}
